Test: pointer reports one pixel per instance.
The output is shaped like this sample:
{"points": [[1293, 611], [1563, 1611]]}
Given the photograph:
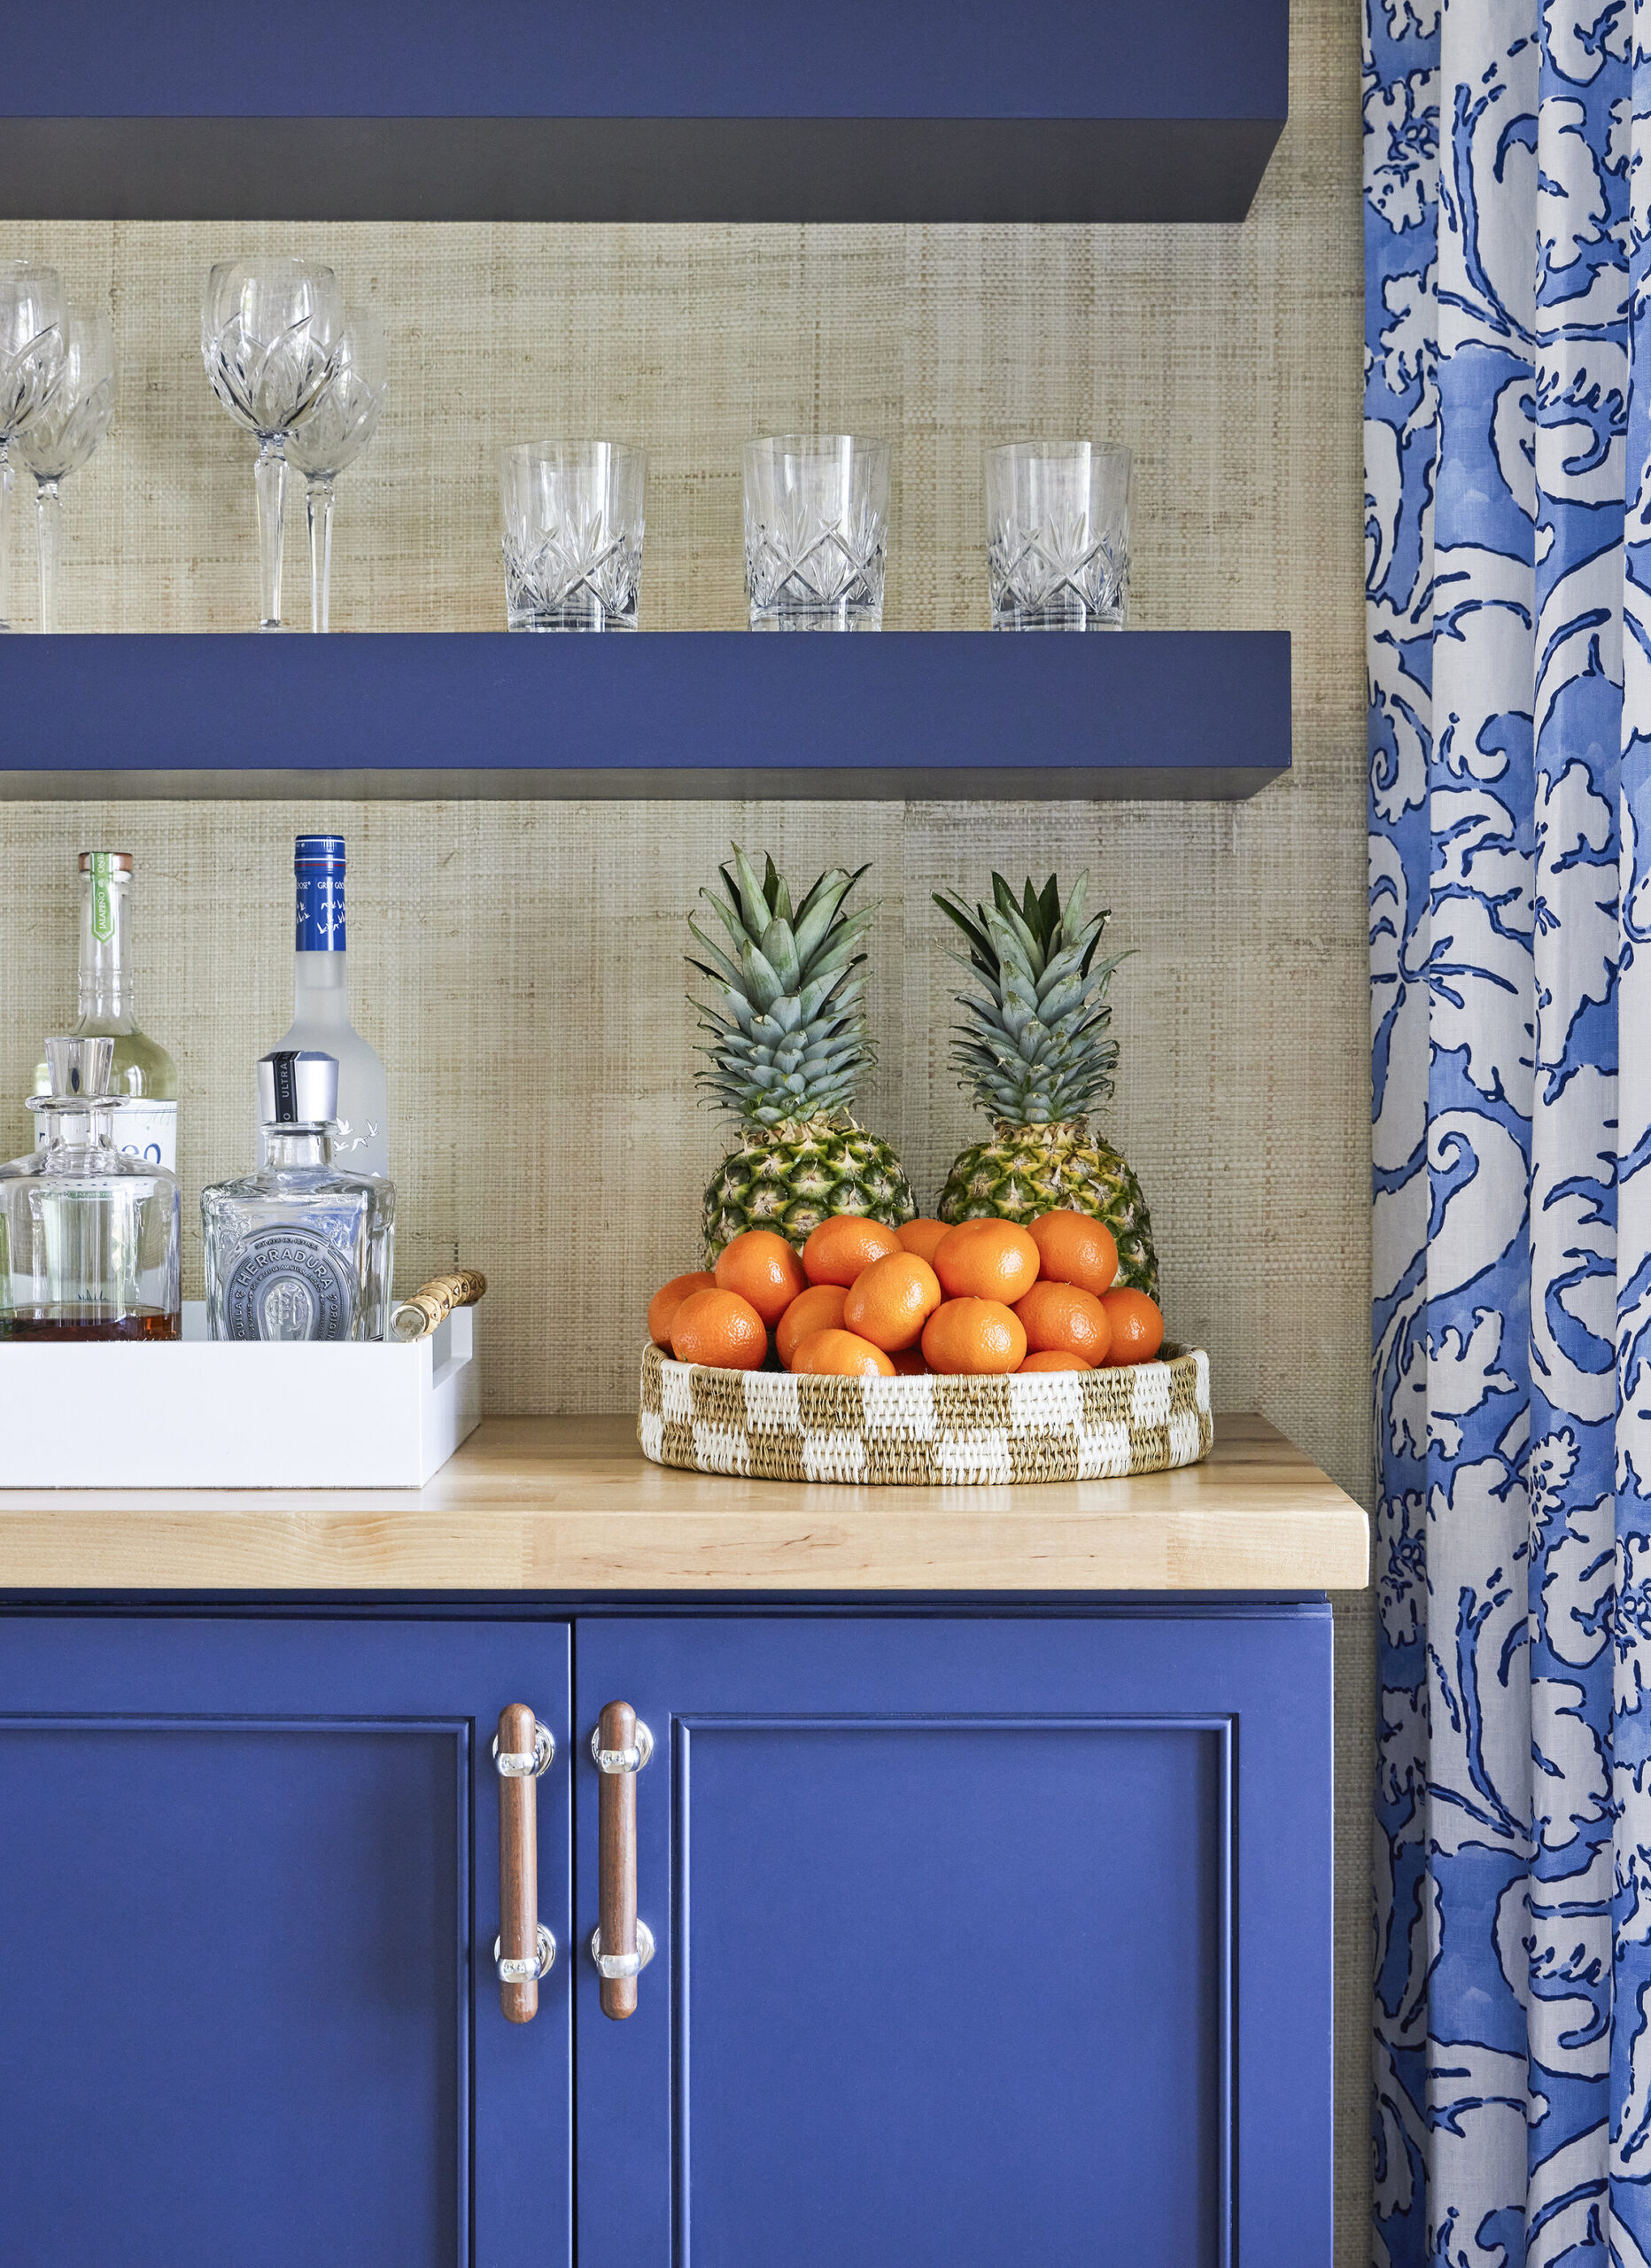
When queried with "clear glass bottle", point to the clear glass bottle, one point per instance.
{"points": [[145, 1079], [89, 1237], [321, 1007], [298, 1249]]}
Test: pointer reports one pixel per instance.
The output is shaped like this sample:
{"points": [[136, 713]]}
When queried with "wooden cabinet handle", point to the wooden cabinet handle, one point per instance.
{"points": [[523, 1950], [621, 1946]]}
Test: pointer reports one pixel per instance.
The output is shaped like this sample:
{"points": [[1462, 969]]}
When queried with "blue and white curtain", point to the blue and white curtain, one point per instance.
{"points": [[1507, 512]]}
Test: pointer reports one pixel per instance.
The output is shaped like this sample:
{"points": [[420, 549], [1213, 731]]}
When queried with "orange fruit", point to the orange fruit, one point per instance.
{"points": [[890, 1301], [840, 1355], [669, 1298], [763, 1268], [985, 1259], [908, 1363], [975, 1336], [1074, 1250], [720, 1328], [819, 1309], [1137, 1326], [921, 1236], [1051, 1358], [1062, 1320], [842, 1246]]}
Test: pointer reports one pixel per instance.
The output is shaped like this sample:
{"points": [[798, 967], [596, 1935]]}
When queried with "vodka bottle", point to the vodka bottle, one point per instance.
{"points": [[144, 1077], [298, 1249], [321, 1009]]}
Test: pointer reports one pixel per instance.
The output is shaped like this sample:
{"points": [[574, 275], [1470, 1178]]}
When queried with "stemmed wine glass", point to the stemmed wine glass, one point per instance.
{"points": [[332, 433], [62, 432], [269, 330], [31, 355]]}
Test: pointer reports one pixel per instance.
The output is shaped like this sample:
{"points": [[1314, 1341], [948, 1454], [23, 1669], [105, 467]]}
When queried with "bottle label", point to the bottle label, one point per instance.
{"points": [[320, 911], [289, 1282], [103, 897], [143, 1128]]}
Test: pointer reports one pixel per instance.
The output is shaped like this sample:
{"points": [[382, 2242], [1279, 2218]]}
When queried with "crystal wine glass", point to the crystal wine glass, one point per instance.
{"points": [[62, 432], [31, 355], [332, 433], [269, 330]]}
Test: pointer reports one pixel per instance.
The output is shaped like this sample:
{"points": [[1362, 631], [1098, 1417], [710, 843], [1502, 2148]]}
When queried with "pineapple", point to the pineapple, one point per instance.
{"points": [[1033, 1052], [787, 1046]]}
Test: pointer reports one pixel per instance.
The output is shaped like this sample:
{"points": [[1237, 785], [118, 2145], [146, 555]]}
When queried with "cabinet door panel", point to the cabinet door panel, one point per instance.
{"points": [[955, 1921], [247, 1987]]}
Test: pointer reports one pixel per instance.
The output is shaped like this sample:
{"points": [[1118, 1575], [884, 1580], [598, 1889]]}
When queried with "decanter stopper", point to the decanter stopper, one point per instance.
{"points": [[80, 1067]]}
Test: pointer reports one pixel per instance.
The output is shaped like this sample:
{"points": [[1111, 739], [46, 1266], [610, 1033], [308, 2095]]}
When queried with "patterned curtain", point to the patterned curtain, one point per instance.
{"points": [[1507, 512]]}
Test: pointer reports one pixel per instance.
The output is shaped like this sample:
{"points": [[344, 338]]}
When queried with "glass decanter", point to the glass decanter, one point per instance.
{"points": [[89, 1237], [298, 1249]]}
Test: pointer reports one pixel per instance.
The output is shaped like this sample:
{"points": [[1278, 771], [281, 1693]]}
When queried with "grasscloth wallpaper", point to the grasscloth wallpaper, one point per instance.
{"points": [[519, 965]]}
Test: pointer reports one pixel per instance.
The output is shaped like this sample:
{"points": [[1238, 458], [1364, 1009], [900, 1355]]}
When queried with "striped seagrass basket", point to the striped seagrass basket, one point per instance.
{"points": [[1048, 1426]]}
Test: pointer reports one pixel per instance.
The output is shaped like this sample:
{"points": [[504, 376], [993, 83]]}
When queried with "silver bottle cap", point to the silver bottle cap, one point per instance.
{"points": [[81, 1068], [297, 1087]]}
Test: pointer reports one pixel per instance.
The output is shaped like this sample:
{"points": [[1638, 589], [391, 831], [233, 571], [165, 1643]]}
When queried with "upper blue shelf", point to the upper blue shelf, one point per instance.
{"points": [[1170, 713], [728, 110]]}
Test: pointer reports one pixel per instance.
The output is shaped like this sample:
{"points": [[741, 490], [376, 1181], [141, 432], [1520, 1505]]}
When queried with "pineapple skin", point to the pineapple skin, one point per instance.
{"points": [[1025, 1170], [792, 1177]]}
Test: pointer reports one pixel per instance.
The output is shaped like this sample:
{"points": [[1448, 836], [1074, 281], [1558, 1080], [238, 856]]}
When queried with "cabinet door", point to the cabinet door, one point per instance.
{"points": [[249, 2017], [992, 1941]]}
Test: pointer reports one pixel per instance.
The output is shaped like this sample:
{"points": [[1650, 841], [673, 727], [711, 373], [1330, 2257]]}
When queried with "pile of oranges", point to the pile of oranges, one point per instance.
{"points": [[862, 1301]]}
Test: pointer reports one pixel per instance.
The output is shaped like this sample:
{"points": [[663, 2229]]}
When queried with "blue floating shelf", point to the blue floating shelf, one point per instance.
{"points": [[500, 110], [1171, 713]]}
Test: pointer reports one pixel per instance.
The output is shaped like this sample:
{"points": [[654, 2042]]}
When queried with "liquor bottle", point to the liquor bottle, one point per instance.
{"points": [[298, 1249], [89, 1235], [144, 1078], [321, 1007]]}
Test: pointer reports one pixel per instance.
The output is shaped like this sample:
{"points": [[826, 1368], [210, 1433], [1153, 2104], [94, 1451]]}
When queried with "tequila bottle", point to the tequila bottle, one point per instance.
{"points": [[300, 1249], [89, 1236], [145, 1079], [321, 1007]]}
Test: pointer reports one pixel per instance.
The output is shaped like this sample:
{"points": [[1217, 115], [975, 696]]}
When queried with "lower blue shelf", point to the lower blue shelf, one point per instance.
{"points": [[1172, 714]]}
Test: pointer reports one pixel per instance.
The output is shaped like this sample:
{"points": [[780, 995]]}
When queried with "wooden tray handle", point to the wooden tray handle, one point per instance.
{"points": [[417, 1317]]}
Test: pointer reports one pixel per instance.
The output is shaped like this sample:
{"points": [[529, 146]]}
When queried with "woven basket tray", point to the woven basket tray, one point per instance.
{"points": [[1048, 1426]]}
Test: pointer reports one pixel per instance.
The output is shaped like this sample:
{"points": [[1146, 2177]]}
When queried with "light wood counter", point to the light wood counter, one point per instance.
{"points": [[570, 1505]]}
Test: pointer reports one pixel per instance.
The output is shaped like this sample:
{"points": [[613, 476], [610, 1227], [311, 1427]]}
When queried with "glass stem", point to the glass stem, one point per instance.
{"points": [[50, 514], [319, 505], [5, 534], [270, 476]]}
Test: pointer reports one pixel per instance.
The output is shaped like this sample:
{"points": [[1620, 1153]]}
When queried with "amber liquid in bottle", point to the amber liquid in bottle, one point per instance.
{"points": [[63, 1324]]}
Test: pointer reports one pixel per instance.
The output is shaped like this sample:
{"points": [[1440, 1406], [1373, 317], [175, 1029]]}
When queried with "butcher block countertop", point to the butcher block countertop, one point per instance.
{"points": [[569, 1505]]}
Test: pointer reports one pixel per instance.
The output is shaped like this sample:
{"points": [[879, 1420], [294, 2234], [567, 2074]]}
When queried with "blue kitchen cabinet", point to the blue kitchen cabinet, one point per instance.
{"points": [[979, 1942], [248, 2012], [982, 1938]]}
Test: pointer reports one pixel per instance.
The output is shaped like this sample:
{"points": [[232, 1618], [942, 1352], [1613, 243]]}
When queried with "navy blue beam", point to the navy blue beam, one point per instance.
{"points": [[510, 109], [1185, 714]]}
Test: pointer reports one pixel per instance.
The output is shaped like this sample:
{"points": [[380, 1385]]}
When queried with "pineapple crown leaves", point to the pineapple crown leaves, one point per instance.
{"points": [[787, 1028], [1032, 1049]]}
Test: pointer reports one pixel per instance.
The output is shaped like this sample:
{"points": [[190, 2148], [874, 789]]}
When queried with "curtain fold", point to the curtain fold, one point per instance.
{"points": [[1507, 476]]}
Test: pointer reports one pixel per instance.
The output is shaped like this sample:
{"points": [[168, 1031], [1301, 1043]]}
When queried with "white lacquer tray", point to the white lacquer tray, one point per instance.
{"points": [[196, 1414]]}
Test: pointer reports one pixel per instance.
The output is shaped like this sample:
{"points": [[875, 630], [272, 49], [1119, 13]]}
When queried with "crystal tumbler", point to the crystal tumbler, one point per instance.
{"points": [[572, 513], [816, 531], [1057, 535], [89, 1237]]}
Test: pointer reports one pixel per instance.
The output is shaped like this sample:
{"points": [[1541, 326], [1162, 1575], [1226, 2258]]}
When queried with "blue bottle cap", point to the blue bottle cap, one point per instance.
{"points": [[317, 850]]}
